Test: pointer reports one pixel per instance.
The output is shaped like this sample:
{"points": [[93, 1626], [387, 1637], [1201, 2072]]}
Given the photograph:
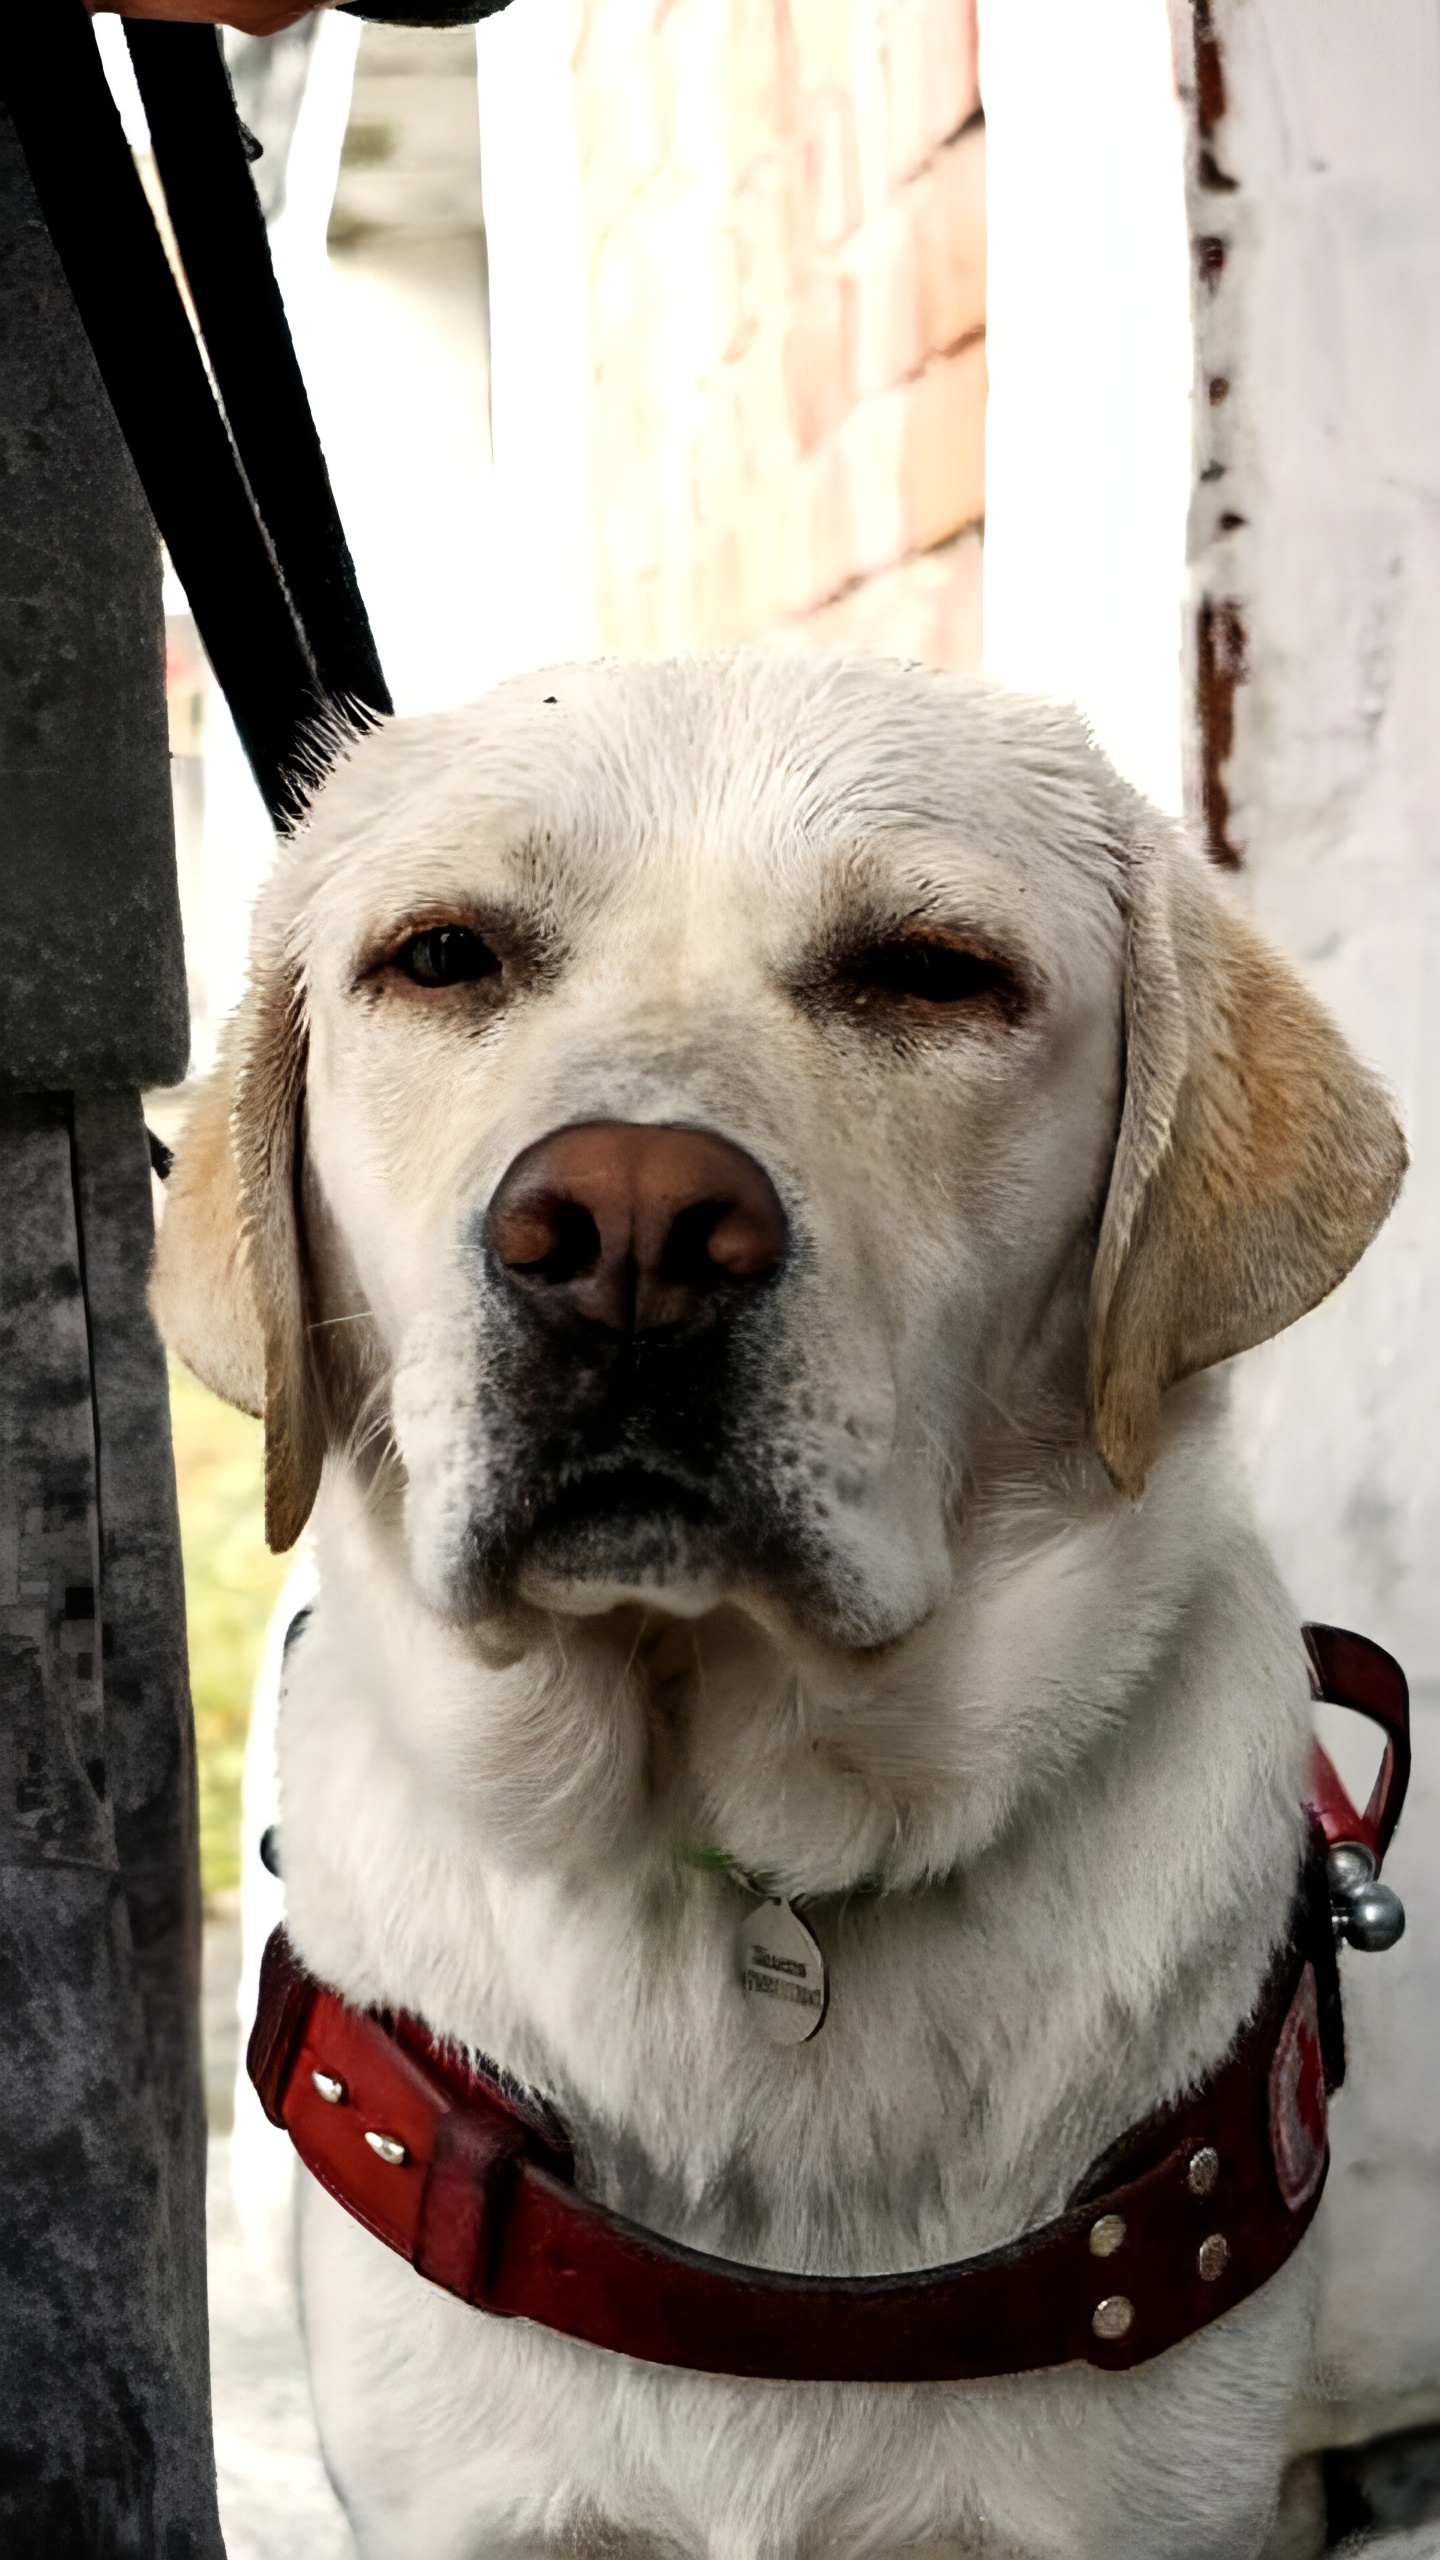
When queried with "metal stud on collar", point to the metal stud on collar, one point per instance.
{"points": [[1203, 2170], [385, 2147], [1365, 1913], [1112, 2317]]}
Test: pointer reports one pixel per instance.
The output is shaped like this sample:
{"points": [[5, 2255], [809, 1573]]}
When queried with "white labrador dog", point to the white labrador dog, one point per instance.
{"points": [[725, 1188]]}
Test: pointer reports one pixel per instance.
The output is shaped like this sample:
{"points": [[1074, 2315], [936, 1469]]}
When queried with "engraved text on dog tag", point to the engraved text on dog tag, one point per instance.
{"points": [[782, 1974]]}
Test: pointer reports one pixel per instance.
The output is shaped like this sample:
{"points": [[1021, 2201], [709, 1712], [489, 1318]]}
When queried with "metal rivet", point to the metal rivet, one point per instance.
{"points": [[1213, 2257], [1349, 1866], [1203, 2171], [332, 2091], [1106, 2235], [385, 2147], [1372, 1919], [1112, 2317]]}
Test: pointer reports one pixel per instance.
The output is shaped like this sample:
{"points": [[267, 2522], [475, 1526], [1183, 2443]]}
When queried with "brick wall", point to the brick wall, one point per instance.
{"points": [[785, 211]]}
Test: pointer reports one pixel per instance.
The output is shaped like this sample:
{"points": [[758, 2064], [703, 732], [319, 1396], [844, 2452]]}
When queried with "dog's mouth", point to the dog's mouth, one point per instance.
{"points": [[626, 1530], [645, 1469], [619, 1467], [616, 1497], [582, 1530]]}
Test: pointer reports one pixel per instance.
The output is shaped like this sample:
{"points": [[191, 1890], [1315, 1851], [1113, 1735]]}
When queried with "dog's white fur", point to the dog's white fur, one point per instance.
{"points": [[1017, 1656]]}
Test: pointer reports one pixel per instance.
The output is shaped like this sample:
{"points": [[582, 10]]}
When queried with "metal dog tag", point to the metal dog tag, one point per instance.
{"points": [[782, 1975]]}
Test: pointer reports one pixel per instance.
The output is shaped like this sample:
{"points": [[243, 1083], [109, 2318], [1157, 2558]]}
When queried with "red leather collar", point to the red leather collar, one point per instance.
{"points": [[1191, 2212]]}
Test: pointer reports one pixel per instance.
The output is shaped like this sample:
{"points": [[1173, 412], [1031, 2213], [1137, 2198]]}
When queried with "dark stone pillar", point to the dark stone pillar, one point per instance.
{"points": [[104, 2371]]}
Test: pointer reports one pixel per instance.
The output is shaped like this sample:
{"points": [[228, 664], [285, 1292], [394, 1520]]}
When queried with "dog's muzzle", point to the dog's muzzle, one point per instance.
{"points": [[630, 1264]]}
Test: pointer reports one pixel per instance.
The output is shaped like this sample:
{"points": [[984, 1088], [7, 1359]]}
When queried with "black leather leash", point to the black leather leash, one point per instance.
{"points": [[220, 231], [236, 482]]}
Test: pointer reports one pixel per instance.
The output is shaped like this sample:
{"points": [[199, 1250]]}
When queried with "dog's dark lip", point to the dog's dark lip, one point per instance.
{"points": [[629, 1491]]}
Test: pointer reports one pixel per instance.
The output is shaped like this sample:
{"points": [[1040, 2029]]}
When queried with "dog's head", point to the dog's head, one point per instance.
{"points": [[696, 1119]]}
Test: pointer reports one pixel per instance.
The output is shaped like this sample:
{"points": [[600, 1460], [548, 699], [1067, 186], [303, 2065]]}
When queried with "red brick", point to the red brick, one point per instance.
{"points": [[760, 88], [767, 243], [889, 342], [955, 627], [620, 125], [932, 86], [824, 41], [927, 608], [820, 358], [718, 591], [942, 467], [820, 489], [950, 243], [872, 443], [831, 166]]}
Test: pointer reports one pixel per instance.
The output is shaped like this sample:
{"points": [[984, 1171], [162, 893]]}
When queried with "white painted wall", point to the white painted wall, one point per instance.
{"points": [[1328, 319], [544, 553], [1325, 323], [1087, 450], [391, 340]]}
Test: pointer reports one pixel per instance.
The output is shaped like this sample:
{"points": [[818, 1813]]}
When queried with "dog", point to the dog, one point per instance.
{"points": [[729, 1189]]}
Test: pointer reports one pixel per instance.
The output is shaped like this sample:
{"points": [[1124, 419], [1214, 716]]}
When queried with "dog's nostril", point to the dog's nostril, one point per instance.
{"points": [[716, 1239], [635, 1227], [747, 1241], [555, 1240], [686, 1261]]}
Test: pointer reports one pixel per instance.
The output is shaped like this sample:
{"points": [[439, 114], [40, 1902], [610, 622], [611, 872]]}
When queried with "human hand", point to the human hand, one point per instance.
{"points": [[252, 17]]}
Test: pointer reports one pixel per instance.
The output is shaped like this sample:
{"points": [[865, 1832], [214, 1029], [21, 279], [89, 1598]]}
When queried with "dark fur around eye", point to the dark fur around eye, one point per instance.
{"points": [[446, 955], [941, 976]]}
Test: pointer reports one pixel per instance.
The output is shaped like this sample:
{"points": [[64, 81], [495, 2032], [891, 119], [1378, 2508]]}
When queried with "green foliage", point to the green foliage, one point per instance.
{"points": [[231, 1583]]}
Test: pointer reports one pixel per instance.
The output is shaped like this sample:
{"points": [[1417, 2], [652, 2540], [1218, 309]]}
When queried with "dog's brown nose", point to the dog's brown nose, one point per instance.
{"points": [[630, 1227]]}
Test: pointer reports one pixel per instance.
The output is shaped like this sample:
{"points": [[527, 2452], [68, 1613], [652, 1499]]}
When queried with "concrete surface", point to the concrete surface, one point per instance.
{"points": [[276, 2502]]}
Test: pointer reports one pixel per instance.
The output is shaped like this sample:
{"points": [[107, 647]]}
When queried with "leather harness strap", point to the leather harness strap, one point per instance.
{"points": [[1350, 1671], [474, 2184]]}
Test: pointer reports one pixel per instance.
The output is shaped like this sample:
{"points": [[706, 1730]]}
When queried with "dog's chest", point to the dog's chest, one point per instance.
{"points": [[974, 2058], [981, 2047], [453, 2433], [940, 2108], [865, 2149]]}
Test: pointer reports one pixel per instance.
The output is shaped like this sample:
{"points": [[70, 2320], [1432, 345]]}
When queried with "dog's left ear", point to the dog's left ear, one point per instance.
{"points": [[1256, 1156], [229, 1285]]}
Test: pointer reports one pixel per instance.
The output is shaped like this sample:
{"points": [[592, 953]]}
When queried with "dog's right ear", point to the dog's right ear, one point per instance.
{"points": [[229, 1288], [1256, 1158]]}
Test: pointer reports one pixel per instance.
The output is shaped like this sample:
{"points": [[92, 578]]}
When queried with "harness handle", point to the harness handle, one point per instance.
{"points": [[1347, 1670]]}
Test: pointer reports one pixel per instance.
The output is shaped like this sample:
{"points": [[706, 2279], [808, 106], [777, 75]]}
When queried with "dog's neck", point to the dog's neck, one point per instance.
{"points": [[1083, 1828]]}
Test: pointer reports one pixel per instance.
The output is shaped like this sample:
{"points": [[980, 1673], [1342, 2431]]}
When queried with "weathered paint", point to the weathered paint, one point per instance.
{"points": [[1312, 617], [1220, 666], [1316, 516]]}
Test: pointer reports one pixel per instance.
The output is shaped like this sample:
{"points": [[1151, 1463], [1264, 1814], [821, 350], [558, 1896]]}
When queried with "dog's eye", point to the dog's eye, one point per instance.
{"points": [[446, 955], [937, 973]]}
